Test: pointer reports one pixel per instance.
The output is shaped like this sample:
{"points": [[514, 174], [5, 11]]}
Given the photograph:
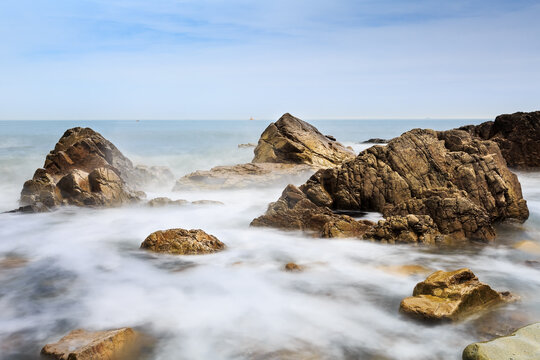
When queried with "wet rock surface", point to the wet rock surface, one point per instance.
{"points": [[524, 344], [242, 176], [375, 141], [518, 137], [293, 141], [458, 181], [119, 344], [182, 242], [85, 169], [450, 296]]}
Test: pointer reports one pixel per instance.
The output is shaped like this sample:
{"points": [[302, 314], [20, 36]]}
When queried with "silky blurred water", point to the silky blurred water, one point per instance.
{"points": [[82, 268]]}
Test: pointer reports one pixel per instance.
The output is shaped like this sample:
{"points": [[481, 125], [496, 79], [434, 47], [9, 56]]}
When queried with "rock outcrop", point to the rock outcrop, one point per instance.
{"points": [[242, 176], [293, 141], [94, 345], [518, 137], [182, 242], [85, 169], [524, 344], [450, 296], [453, 183]]}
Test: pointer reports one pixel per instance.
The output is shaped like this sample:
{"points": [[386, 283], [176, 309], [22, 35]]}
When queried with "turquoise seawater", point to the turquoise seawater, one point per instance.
{"points": [[82, 268]]}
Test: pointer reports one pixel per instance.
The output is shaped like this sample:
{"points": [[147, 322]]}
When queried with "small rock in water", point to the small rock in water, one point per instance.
{"points": [[207, 202], [523, 344], [94, 345], [375, 141], [12, 262], [528, 246], [405, 270], [165, 201], [292, 267], [182, 242], [450, 296], [248, 145]]}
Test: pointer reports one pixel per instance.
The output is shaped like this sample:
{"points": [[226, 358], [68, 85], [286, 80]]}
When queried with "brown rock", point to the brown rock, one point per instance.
{"points": [[165, 201], [405, 270], [85, 169], [458, 181], [518, 137], [94, 345], [293, 141], [182, 242], [242, 176], [449, 296], [292, 267], [529, 246]]}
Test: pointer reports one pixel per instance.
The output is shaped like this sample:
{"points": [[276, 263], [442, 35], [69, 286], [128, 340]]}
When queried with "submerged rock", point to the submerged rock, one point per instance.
{"points": [[449, 296], [248, 145], [84, 169], [182, 242], [94, 345], [518, 137], [292, 267], [524, 344], [293, 141], [165, 201], [405, 270], [531, 247], [455, 185], [242, 176]]}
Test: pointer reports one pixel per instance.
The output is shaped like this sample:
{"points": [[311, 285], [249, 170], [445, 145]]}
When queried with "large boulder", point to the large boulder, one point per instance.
{"points": [[293, 141], [182, 242], [94, 345], [85, 169], [243, 175], [450, 296], [524, 344], [518, 137], [456, 184]]}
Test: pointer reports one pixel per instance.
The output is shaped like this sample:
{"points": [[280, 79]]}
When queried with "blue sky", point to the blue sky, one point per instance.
{"points": [[233, 59]]}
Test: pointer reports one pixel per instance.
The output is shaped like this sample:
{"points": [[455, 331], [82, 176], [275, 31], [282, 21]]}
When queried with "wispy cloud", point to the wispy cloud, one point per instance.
{"points": [[237, 58]]}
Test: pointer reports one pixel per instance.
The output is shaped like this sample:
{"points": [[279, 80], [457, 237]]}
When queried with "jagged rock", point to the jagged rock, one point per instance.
{"points": [[405, 229], [518, 137], [94, 345], [182, 242], [375, 141], [291, 140], [294, 211], [449, 296], [524, 344], [457, 180], [248, 145], [242, 176], [84, 169]]}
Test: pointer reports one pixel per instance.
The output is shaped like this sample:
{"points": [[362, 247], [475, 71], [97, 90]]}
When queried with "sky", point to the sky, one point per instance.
{"points": [[236, 59]]}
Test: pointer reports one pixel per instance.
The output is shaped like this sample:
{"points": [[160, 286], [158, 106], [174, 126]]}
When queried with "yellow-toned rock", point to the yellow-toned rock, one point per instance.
{"points": [[528, 246], [450, 296], [119, 344], [405, 270], [182, 242]]}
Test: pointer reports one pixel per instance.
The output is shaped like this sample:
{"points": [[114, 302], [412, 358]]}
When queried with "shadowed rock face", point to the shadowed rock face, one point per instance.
{"points": [[518, 137], [293, 141], [182, 242], [85, 169], [452, 295], [456, 184]]}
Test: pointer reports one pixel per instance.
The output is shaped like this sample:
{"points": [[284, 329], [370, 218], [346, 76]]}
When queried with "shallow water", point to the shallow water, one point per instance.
{"points": [[82, 267]]}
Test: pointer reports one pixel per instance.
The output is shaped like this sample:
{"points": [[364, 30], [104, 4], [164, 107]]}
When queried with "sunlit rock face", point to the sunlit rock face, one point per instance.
{"points": [[94, 345], [182, 242], [457, 184], [293, 141], [518, 137], [85, 169], [450, 296]]}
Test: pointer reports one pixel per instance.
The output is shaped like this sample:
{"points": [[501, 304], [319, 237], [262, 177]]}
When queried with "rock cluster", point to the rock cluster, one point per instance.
{"points": [[93, 345], [524, 344], [182, 242], [450, 296], [293, 141], [453, 183], [518, 137], [85, 169]]}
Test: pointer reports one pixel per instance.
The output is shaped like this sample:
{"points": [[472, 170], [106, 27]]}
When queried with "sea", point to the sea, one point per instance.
{"points": [[82, 267]]}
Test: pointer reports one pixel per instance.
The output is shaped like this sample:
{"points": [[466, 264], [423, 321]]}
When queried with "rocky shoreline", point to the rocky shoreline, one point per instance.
{"points": [[430, 186]]}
